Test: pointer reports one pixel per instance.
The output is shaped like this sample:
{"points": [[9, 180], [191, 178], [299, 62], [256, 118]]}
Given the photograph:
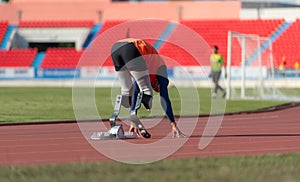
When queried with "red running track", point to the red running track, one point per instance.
{"points": [[240, 134]]}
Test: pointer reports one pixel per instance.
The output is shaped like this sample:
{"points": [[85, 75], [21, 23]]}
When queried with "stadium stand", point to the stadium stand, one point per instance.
{"points": [[212, 31], [60, 33], [287, 45], [181, 47], [61, 58], [109, 24], [107, 36], [146, 29], [175, 56], [17, 57], [3, 28], [215, 31]]}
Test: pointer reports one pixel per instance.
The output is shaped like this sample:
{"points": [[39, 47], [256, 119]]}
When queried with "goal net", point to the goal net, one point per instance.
{"points": [[250, 67]]}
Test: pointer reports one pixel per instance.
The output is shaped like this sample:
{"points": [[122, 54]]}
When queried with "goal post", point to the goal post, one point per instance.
{"points": [[249, 66]]}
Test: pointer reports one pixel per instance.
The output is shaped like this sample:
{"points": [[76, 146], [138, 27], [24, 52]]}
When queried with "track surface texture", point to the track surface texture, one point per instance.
{"points": [[253, 133]]}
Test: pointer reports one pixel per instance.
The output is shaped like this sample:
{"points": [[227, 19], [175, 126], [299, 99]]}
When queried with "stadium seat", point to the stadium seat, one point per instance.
{"points": [[287, 45], [57, 58], [115, 30], [17, 57], [174, 56], [3, 29], [215, 31]]}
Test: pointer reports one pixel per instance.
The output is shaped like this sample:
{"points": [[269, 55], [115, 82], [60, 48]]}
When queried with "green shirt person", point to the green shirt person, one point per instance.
{"points": [[216, 61]]}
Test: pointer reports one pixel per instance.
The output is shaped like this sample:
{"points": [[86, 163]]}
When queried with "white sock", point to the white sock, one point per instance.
{"points": [[125, 81], [143, 80]]}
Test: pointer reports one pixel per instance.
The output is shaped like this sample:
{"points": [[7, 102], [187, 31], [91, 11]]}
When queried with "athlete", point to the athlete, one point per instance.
{"points": [[140, 69]]}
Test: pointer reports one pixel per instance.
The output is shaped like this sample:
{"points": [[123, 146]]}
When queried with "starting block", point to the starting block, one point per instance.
{"points": [[116, 132]]}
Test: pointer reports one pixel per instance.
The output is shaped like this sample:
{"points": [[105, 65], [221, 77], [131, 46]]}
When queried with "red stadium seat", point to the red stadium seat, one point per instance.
{"points": [[215, 31], [212, 31], [287, 45], [17, 57], [3, 29], [56, 58]]}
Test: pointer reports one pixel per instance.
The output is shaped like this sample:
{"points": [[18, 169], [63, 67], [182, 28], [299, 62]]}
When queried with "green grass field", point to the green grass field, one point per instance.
{"points": [[265, 168], [42, 104]]}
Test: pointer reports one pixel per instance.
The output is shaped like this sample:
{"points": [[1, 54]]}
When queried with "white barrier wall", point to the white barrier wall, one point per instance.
{"points": [[17, 73], [108, 73], [105, 77]]}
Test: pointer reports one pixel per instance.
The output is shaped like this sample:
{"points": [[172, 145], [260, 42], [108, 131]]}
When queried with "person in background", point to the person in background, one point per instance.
{"points": [[140, 68], [216, 61], [296, 66], [282, 66]]}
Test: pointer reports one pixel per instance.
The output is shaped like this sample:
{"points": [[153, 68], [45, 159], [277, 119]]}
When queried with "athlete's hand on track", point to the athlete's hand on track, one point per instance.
{"points": [[134, 129], [176, 133]]}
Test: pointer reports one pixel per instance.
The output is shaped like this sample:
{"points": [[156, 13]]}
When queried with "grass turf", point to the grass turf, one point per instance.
{"points": [[38, 104], [280, 167]]}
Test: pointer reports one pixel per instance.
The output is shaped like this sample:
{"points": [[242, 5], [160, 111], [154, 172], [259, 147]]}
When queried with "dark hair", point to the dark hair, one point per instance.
{"points": [[216, 47]]}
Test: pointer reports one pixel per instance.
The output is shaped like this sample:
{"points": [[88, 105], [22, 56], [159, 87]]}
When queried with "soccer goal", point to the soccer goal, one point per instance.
{"points": [[250, 68]]}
